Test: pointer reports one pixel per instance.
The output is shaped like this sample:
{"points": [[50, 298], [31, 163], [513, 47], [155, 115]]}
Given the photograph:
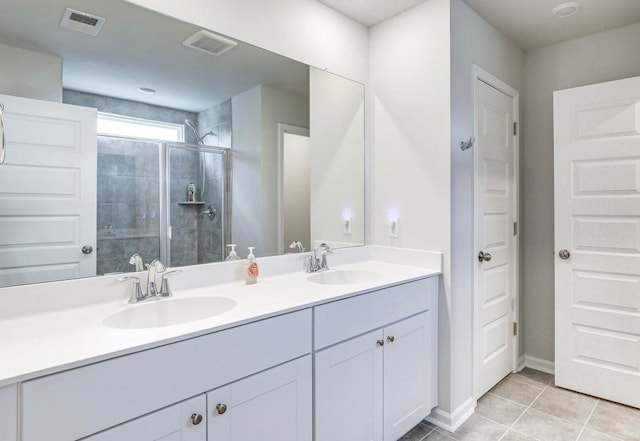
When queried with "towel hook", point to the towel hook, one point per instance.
{"points": [[467, 145]]}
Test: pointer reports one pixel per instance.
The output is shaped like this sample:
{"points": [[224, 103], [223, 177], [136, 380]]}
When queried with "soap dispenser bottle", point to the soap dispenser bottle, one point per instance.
{"points": [[232, 254], [251, 268]]}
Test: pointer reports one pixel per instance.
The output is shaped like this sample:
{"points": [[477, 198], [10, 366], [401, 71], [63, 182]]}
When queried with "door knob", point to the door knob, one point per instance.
{"points": [[484, 257], [221, 408], [87, 249], [564, 254], [196, 419]]}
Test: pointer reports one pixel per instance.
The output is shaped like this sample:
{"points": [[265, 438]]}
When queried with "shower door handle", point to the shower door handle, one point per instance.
{"points": [[3, 144]]}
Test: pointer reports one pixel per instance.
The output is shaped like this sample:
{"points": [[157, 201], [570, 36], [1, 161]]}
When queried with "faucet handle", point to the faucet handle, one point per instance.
{"points": [[165, 290], [136, 293], [156, 265]]}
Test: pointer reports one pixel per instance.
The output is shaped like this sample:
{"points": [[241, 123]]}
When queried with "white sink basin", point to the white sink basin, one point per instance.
{"points": [[340, 277], [168, 312]]}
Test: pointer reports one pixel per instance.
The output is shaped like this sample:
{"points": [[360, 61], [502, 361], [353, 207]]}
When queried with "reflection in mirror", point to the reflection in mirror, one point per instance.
{"points": [[153, 144]]}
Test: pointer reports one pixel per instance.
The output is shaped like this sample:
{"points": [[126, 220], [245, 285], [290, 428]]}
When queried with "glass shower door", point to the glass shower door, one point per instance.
{"points": [[128, 199], [196, 228]]}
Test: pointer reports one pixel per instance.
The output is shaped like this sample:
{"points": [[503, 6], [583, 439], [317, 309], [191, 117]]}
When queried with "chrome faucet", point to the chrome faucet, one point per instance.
{"points": [[136, 293], [317, 261], [297, 245], [154, 267], [137, 261], [165, 290]]}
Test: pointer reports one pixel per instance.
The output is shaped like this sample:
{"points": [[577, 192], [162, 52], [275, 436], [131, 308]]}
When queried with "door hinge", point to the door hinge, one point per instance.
{"points": [[515, 228], [515, 328], [515, 128]]}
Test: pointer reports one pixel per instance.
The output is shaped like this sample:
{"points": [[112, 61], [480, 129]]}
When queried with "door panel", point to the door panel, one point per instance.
{"points": [[47, 192], [348, 390], [273, 405], [597, 219], [407, 374], [494, 206], [173, 423]]}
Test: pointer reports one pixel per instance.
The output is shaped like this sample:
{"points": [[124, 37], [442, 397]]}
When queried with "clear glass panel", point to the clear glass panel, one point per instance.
{"points": [[198, 226], [128, 203]]}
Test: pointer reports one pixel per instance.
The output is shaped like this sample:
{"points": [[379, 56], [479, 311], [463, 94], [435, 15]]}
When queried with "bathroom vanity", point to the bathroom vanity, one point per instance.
{"points": [[350, 354]]}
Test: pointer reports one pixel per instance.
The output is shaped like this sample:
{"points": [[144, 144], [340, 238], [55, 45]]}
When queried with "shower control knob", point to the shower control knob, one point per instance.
{"points": [[87, 249], [221, 408]]}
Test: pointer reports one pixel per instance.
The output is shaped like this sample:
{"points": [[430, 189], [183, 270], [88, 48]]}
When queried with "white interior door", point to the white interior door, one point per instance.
{"points": [[494, 217], [597, 240], [47, 192]]}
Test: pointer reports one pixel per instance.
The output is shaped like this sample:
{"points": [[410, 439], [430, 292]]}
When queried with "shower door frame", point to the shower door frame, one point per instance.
{"points": [[165, 194]]}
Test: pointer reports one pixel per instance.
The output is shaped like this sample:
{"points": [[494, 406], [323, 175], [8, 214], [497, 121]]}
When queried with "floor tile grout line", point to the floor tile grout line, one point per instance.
{"points": [[427, 435], [584, 427], [524, 411]]}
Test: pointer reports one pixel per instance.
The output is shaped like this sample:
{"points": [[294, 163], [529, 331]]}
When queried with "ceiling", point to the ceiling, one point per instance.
{"points": [[529, 23], [140, 48]]}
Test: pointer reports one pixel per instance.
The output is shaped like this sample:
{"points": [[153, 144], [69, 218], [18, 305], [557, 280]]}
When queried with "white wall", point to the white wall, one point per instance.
{"points": [[305, 30], [30, 74], [337, 158], [601, 57], [296, 168], [246, 213], [284, 108], [408, 125], [473, 41]]}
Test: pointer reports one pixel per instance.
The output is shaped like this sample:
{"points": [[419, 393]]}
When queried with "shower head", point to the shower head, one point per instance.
{"points": [[193, 127]]}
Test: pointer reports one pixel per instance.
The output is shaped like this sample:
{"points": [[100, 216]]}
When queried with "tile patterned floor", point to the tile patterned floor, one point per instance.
{"points": [[527, 406]]}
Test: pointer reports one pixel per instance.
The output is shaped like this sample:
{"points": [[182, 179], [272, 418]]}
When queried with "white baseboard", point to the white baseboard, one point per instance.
{"points": [[539, 364], [450, 421], [521, 363]]}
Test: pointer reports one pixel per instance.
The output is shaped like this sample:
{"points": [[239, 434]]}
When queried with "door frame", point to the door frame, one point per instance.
{"points": [[489, 79], [294, 130]]}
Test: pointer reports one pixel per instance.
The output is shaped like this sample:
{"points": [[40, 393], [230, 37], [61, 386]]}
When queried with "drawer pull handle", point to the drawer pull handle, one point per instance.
{"points": [[391, 339], [380, 343], [196, 419], [221, 408]]}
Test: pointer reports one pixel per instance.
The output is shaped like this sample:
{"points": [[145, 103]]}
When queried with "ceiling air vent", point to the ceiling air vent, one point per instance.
{"points": [[208, 42], [82, 22]]}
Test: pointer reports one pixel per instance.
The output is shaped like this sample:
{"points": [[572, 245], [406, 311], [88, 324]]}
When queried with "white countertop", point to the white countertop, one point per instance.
{"points": [[44, 343]]}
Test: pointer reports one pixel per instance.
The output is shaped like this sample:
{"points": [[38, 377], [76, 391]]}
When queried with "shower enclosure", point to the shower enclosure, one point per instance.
{"points": [[143, 206]]}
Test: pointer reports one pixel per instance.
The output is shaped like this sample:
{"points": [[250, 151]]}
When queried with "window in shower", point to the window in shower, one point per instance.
{"points": [[130, 127]]}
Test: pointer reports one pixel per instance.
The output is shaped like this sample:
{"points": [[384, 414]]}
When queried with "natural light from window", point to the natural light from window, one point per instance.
{"points": [[128, 127]]}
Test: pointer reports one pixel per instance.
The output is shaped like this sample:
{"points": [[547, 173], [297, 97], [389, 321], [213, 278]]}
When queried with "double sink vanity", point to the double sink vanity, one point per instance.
{"points": [[344, 354]]}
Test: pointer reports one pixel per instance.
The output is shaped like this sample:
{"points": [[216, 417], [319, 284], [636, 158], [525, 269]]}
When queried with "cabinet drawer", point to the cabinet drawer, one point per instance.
{"points": [[82, 401], [338, 321]]}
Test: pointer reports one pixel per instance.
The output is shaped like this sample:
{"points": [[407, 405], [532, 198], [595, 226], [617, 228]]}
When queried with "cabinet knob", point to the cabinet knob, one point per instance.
{"points": [[391, 339], [221, 408], [380, 343], [196, 419]]}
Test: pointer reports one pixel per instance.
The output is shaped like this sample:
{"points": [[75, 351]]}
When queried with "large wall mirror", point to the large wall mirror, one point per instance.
{"points": [[165, 140]]}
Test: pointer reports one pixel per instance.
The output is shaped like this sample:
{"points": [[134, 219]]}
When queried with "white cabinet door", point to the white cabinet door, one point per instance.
{"points": [[407, 374], [348, 390], [272, 405], [179, 422]]}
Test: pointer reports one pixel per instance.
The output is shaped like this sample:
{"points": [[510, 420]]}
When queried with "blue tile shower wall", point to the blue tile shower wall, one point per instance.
{"points": [[128, 187], [128, 203]]}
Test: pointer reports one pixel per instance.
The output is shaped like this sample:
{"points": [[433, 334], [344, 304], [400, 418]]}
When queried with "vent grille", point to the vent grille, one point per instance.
{"points": [[209, 42], [82, 22]]}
